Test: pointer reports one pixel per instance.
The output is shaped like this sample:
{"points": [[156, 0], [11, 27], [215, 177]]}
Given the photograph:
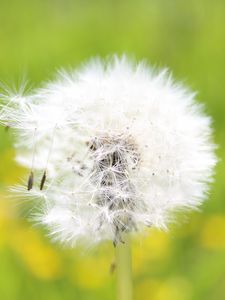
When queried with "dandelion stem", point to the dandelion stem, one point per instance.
{"points": [[124, 270]]}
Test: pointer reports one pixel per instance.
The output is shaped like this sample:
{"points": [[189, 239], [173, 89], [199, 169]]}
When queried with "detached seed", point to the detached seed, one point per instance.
{"points": [[43, 181], [30, 181]]}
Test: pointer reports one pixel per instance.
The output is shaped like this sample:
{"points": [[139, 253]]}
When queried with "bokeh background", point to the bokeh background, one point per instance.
{"points": [[39, 36]]}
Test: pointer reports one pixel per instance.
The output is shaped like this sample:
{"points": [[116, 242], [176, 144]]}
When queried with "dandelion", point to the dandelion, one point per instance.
{"points": [[112, 147]]}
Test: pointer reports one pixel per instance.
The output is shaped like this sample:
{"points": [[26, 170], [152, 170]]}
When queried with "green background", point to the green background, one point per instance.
{"points": [[39, 36]]}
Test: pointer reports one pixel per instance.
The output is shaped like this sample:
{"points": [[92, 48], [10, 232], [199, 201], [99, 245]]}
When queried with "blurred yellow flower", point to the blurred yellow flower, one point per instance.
{"points": [[155, 246], [174, 289], [7, 219], [91, 272], [213, 233], [3, 222], [146, 289], [40, 258]]}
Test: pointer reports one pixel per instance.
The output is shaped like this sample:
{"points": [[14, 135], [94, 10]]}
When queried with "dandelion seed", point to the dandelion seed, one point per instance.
{"points": [[123, 145], [43, 181], [30, 181]]}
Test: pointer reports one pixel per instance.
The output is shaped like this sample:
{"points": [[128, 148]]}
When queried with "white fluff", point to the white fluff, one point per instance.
{"points": [[123, 147]]}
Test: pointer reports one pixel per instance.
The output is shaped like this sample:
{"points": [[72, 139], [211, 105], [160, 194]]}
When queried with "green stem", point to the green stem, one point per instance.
{"points": [[123, 270]]}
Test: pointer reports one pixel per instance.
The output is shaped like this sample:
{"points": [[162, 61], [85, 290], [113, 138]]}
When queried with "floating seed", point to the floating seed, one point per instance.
{"points": [[43, 181], [30, 181]]}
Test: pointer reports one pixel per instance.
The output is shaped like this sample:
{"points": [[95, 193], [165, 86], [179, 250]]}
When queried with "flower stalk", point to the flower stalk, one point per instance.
{"points": [[124, 270]]}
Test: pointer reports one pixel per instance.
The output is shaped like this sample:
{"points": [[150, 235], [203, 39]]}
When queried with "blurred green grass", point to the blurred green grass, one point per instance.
{"points": [[36, 38]]}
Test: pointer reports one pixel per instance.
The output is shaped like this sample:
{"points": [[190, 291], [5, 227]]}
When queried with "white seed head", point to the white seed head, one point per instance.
{"points": [[112, 147]]}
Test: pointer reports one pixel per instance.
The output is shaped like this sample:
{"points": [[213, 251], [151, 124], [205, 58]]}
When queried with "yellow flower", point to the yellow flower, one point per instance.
{"points": [[40, 258], [174, 289], [146, 289], [154, 247], [91, 272], [213, 233]]}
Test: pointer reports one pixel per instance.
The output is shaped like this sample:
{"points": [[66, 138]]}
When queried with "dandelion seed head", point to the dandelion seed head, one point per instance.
{"points": [[114, 146]]}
